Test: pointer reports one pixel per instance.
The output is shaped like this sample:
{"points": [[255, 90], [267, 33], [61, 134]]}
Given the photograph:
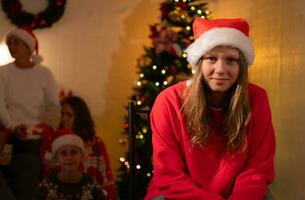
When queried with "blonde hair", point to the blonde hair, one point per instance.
{"points": [[237, 110]]}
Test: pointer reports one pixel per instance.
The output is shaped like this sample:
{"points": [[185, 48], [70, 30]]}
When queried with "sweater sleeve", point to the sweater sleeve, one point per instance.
{"points": [[5, 118], [258, 173], [109, 186], [51, 116], [170, 171]]}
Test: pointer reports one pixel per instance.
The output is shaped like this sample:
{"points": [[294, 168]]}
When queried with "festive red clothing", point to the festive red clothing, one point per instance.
{"points": [[188, 172]]}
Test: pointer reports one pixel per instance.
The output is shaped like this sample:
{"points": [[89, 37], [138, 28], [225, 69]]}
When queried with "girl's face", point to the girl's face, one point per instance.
{"points": [[17, 48], [67, 116], [69, 157], [220, 68]]}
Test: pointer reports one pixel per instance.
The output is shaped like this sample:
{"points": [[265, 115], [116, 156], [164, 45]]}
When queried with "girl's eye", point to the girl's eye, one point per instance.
{"points": [[66, 114], [73, 152], [63, 153], [211, 59], [231, 60]]}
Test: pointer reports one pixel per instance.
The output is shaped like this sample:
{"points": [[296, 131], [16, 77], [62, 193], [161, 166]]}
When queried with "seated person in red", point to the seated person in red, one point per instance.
{"points": [[212, 135], [76, 115]]}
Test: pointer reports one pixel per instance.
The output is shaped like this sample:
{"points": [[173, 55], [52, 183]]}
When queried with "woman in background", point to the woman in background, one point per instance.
{"points": [[76, 116]]}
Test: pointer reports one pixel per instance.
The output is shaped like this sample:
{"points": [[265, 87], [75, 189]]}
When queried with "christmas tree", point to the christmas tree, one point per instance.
{"points": [[162, 65]]}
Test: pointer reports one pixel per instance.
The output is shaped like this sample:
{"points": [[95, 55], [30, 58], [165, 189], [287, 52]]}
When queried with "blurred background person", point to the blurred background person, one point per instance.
{"points": [[69, 182], [29, 105], [76, 116]]}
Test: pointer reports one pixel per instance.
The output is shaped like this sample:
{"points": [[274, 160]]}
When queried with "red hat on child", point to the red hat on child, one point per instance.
{"points": [[26, 34], [66, 137], [220, 32]]}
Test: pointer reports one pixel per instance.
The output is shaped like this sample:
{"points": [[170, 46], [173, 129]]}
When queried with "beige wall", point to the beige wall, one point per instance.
{"points": [[278, 28], [92, 50]]}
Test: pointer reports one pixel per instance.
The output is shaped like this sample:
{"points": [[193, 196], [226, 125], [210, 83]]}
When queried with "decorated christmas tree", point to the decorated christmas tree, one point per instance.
{"points": [[162, 65]]}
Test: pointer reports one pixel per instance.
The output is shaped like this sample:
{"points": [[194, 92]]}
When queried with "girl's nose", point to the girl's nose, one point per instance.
{"points": [[220, 66]]}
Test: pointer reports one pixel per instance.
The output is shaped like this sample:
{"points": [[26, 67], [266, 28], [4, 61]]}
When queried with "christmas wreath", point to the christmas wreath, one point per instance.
{"points": [[19, 17]]}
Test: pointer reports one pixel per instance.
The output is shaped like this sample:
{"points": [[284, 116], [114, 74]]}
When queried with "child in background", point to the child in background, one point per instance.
{"points": [[76, 116], [69, 182]]}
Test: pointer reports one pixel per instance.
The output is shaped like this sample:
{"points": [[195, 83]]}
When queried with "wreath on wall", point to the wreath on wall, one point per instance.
{"points": [[44, 19]]}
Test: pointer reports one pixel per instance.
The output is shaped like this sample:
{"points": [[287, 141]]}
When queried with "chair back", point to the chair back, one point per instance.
{"points": [[137, 154]]}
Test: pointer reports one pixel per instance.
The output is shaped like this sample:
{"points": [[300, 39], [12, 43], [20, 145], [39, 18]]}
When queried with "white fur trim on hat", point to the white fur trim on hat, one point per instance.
{"points": [[220, 37], [67, 140], [37, 58]]}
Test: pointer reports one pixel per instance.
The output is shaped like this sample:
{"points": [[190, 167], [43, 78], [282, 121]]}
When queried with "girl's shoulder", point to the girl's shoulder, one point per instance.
{"points": [[172, 94], [255, 89]]}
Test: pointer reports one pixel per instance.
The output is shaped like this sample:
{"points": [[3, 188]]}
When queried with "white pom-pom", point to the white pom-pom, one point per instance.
{"points": [[37, 58]]}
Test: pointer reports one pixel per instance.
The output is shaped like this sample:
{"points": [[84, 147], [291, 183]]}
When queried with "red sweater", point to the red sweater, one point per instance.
{"points": [[184, 171]]}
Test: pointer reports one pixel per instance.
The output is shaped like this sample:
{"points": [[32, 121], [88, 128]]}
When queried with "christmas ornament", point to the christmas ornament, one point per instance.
{"points": [[19, 17]]}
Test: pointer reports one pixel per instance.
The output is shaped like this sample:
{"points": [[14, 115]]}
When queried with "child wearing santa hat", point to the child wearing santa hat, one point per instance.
{"points": [[212, 135], [29, 106], [69, 182]]}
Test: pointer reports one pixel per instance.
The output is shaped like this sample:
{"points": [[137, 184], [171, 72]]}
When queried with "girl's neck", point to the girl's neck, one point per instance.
{"points": [[69, 176], [217, 100], [24, 63]]}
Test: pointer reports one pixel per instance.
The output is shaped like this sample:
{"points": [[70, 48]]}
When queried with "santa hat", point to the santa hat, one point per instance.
{"points": [[27, 36], [66, 137], [220, 32]]}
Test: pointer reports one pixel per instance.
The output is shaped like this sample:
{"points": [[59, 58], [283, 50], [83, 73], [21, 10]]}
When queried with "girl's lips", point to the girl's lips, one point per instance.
{"points": [[220, 81]]}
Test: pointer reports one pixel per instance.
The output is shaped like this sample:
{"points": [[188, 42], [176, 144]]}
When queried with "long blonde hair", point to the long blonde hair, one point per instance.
{"points": [[237, 110]]}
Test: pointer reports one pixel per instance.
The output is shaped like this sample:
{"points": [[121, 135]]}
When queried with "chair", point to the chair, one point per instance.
{"points": [[134, 113]]}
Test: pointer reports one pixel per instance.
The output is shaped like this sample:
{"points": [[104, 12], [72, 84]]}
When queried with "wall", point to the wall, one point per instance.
{"points": [[277, 28], [92, 50]]}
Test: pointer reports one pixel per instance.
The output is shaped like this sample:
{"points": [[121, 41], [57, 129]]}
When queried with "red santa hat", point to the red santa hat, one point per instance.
{"points": [[220, 32], [66, 137], [28, 37]]}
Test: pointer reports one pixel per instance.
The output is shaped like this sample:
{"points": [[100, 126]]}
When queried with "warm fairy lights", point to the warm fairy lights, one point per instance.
{"points": [[144, 130]]}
